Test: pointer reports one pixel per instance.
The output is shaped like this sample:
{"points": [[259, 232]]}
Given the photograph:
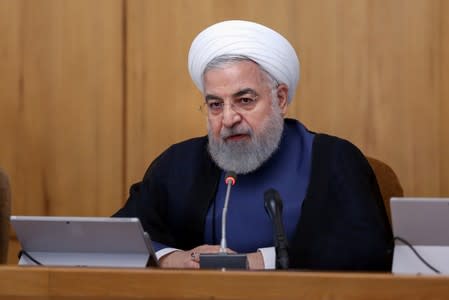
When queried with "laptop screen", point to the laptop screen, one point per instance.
{"points": [[420, 228], [83, 241], [421, 221]]}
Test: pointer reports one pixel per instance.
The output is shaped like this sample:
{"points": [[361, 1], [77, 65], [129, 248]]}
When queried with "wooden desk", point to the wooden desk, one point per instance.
{"points": [[86, 283]]}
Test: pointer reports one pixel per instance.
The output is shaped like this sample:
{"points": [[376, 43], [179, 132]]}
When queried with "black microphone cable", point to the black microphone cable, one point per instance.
{"points": [[405, 242], [23, 252]]}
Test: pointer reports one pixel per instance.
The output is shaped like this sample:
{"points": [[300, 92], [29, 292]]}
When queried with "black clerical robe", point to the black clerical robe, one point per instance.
{"points": [[343, 223]]}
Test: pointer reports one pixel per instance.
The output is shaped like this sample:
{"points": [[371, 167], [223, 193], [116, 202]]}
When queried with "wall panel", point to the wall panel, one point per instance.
{"points": [[92, 91], [162, 103], [444, 112], [371, 72], [61, 105]]}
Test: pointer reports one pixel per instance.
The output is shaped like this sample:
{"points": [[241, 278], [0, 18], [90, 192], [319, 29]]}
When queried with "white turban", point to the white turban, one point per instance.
{"points": [[259, 43]]}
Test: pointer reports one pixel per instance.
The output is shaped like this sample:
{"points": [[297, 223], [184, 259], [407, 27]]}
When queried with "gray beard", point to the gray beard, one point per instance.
{"points": [[245, 156]]}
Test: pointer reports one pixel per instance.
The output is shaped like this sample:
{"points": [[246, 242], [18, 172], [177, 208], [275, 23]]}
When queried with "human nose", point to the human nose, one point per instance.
{"points": [[230, 116]]}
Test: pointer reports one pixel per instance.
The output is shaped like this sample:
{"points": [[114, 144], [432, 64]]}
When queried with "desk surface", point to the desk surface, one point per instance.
{"points": [[92, 283]]}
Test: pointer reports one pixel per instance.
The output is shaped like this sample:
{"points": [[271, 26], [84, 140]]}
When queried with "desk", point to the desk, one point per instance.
{"points": [[91, 283]]}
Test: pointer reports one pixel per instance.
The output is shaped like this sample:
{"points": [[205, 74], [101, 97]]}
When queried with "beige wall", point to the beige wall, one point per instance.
{"points": [[91, 91]]}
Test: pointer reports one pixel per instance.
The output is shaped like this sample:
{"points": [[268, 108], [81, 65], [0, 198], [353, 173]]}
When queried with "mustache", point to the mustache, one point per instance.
{"points": [[227, 132]]}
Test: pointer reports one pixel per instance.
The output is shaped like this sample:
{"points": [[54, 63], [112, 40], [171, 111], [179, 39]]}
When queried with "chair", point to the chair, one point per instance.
{"points": [[5, 212], [389, 184]]}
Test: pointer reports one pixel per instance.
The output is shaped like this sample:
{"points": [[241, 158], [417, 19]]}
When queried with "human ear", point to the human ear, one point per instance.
{"points": [[282, 96]]}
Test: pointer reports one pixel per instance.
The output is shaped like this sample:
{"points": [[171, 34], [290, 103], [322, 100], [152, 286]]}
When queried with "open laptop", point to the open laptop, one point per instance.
{"points": [[83, 241], [423, 224]]}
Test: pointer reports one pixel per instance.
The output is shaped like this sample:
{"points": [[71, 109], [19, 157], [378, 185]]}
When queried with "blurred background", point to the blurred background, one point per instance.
{"points": [[91, 91]]}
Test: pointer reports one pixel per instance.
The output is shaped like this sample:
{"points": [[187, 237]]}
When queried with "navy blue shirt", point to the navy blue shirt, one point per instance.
{"points": [[288, 171]]}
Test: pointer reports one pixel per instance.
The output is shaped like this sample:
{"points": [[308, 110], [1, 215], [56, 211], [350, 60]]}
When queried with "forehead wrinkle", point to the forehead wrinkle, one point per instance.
{"points": [[234, 80]]}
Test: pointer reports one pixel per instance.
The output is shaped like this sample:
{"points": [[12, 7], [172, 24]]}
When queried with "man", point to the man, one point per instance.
{"points": [[333, 213]]}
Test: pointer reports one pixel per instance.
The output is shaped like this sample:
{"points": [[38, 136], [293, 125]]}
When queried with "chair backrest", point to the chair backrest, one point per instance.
{"points": [[388, 182], [5, 212]]}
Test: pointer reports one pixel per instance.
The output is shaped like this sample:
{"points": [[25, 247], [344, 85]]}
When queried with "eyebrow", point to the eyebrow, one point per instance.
{"points": [[235, 95], [244, 92]]}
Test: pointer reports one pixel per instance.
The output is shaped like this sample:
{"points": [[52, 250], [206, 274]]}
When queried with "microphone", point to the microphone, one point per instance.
{"points": [[230, 179], [273, 207], [223, 259]]}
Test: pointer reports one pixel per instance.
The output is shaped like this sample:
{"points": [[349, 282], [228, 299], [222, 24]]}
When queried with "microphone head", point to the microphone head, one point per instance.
{"points": [[272, 202], [230, 177]]}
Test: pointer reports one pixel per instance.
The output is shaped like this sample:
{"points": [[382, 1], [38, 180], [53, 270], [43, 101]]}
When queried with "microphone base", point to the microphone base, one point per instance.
{"points": [[223, 261]]}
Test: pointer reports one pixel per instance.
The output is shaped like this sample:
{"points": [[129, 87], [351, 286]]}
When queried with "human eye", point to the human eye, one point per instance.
{"points": [[246, 102], [215, 106]]}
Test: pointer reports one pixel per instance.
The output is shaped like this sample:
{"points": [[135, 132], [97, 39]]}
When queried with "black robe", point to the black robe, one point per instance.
{"points": [[343, 223]]}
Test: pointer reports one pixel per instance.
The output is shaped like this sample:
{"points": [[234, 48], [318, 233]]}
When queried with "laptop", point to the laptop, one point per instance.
{"points": [[83, 241], [421, 231]]}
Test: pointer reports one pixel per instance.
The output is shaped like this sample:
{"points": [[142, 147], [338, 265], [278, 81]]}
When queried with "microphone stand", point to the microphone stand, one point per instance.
{"points": [[224, 260], [273, 206]]}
